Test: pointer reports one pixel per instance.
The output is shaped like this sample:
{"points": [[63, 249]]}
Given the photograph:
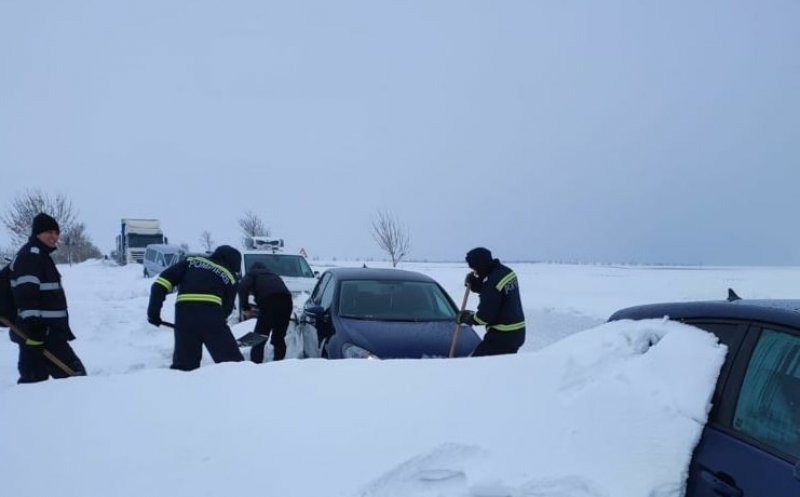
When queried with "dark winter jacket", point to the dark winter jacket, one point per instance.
{"points": [[38, 294], [207, 281], [500, 307], [262, 283]]}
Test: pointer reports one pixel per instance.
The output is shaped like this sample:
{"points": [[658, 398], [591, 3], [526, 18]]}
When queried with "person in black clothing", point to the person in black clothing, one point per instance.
{"points": [[275, 305], [206, 295], [41, 307], [500, 307]]}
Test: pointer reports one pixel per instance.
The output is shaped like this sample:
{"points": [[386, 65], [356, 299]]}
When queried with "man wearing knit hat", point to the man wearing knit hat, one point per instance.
{"points": [[41, 306], [500, 307]]}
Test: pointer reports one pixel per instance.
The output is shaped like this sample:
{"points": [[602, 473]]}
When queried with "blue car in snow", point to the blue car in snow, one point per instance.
{"points": [[751, 444], [384, 314]]}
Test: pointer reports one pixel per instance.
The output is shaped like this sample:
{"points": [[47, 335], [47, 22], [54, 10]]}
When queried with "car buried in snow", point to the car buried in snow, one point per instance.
{"points": [[750, 446], [384, 314]]}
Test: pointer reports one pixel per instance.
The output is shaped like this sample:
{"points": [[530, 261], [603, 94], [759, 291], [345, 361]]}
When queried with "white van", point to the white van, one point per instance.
{"points": [[293, 269], [160, 256]]}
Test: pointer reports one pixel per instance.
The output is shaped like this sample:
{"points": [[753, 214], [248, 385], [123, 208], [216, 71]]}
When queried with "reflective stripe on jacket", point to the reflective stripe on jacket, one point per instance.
{"points": [[38, 294], [199, 280], [500, 306]]}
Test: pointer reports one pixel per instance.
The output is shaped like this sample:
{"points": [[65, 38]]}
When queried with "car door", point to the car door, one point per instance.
{"points": [[316, 325], [751, 445]]}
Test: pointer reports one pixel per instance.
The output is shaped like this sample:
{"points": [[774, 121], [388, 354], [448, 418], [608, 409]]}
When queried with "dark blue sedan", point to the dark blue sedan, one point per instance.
{"points": [[384, 314], [751, 443]]}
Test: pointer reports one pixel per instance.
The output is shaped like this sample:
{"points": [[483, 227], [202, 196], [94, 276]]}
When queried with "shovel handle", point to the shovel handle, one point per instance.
{"points": [[458, 327], [49, 355]]}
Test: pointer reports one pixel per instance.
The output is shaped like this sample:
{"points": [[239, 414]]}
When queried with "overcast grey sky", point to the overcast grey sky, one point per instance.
{"points": [[545, 130]]}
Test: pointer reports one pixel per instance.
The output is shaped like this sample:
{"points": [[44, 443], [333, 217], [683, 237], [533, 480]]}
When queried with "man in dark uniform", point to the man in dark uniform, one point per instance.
{"points": [[206, 295], [500, 307], [41, 306], [275, 305]]}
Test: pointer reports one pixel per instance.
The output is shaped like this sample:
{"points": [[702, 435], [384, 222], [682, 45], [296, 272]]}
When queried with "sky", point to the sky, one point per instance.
{"points": [[608, 409], [616, 131]]}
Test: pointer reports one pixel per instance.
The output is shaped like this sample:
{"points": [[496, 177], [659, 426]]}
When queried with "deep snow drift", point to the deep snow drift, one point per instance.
{"points": [[611, 411]]}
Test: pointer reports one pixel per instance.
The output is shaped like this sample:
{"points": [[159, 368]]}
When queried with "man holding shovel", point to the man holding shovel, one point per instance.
{"points": [[500, 307], [42, 317], [206, 294]]}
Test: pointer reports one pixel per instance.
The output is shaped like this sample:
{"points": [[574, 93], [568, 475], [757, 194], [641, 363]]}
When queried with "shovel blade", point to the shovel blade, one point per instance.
{"points": [[251, 339]]}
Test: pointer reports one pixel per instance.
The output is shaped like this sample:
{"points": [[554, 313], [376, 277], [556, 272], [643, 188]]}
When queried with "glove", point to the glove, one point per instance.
{"points": [[472, 281], [35, 329], [466, 317], [154, 320]]}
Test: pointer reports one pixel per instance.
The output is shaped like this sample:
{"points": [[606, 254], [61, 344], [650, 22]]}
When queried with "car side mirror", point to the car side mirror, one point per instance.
{"points": [[316, 274], [314, 311]]}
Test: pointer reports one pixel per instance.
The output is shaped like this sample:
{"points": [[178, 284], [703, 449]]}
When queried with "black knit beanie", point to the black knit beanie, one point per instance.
{"points": [[42, 222], [480, 260]]}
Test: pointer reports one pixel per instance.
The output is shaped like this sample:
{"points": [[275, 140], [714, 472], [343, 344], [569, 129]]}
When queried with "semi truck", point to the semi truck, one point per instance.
{"points": [[134, 236]]}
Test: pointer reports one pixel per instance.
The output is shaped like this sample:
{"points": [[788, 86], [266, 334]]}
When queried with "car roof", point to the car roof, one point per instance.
{"points": [[777, 311], [384, 274]]}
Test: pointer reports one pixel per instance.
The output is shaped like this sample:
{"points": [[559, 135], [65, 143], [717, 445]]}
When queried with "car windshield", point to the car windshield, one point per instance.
{"points": [[142, 241], [281, 264], [170, 258], [394, 301]]}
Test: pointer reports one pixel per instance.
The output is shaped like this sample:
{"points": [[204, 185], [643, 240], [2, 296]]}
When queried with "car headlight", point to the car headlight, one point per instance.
{"points": [[350, 351]]}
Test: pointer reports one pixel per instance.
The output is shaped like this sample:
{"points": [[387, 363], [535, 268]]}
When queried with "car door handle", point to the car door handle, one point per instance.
{"points": [[719, 485]]}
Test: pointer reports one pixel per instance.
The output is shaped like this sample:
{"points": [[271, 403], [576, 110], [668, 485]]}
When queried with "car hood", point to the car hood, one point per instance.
{"points": [[407, 340], [299, 285]]}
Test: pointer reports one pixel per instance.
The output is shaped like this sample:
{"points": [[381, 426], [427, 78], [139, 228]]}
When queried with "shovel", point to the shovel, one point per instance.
{"points": [[458, 326], [55, 360], [251, 339]]}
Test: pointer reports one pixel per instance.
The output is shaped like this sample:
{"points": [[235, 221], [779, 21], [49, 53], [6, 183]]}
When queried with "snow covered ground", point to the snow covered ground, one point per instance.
{"points": [[588, 409]]}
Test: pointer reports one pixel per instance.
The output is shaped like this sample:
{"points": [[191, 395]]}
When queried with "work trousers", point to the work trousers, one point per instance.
{"points": [[33, 366], [500, 342], [198, 324], [274, 313]]}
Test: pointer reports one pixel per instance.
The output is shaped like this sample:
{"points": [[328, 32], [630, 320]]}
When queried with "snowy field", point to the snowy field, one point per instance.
{"points": [[586, 410]]}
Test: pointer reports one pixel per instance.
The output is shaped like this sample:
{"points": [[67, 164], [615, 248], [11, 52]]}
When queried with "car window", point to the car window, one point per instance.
{"points": [[327, 294], [730, 335], [768, 408], [316, 294], [394, 301], [294, 266], [170, 258]]}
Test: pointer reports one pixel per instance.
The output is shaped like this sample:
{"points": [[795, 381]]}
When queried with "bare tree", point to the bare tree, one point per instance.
{"points": [[251, 226], [19, 216], [75, 245], [392, 237], [206, 241]]}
